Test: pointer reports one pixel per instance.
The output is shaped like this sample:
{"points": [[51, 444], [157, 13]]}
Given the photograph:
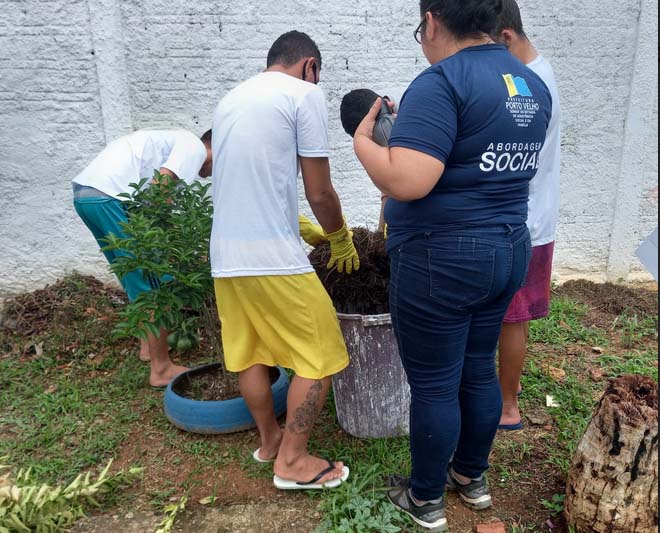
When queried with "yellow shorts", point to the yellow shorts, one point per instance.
{"points": [[286, 321]]}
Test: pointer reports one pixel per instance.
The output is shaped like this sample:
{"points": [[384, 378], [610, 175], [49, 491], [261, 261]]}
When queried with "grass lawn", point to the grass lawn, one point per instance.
{"points": [[72, 397]]}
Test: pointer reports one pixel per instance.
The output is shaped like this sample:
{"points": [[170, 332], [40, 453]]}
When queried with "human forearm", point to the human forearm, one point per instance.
{"points": [[381, 220], [327, 210], [376, 160], [321, 194], [401, 173]]}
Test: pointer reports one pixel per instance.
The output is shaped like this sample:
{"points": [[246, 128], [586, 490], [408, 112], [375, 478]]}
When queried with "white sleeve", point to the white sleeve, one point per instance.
{"points": [[312, 125], [186, 158]]}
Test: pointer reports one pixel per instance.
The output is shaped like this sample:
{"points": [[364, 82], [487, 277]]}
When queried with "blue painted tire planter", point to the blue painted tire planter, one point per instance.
{"points": [[217, 418]]}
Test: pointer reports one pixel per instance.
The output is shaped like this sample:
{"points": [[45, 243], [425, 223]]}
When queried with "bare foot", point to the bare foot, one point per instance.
{"points": [[510, 415], [145, 355], [270, 446], [164, 377], [307, 468]]}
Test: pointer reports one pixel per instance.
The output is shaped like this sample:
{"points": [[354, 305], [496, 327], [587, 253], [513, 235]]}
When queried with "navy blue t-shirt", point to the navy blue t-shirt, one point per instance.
{"points": [[485, 115]]}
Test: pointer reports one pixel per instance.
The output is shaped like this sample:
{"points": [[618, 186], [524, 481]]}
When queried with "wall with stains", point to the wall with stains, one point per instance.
{"points": [[75, 74]]}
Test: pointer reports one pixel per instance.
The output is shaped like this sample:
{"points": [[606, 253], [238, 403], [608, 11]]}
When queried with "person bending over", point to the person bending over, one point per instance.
{"points": [[97, 196]]}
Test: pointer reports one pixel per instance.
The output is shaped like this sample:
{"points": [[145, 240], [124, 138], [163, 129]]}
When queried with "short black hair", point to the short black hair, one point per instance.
{"points": [[464, 18], [510, 19], [354, 107], [207, 138], [291, 48]]}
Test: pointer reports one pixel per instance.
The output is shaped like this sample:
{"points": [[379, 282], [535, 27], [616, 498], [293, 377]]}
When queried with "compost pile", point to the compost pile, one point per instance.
{"points": [[365, 292], [67, 301], [613, 299]]}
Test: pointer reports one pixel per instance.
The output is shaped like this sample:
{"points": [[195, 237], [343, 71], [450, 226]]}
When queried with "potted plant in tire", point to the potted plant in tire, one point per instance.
{"points": [[372, 395], [168, 233]]}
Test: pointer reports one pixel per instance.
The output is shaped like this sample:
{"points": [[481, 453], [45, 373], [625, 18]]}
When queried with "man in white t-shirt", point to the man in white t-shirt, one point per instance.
{"points": [[97, 194], [273, 308], [533, 301]]}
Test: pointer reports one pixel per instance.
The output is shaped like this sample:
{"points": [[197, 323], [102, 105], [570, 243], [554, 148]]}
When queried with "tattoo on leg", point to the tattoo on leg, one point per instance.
{"points": [[305, 415]]}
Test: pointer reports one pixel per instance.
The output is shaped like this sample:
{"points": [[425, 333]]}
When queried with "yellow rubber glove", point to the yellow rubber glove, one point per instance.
{"points": [[311, 233], [343, 254]]}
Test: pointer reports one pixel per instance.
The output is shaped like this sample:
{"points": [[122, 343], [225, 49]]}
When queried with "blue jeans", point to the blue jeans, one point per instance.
{"points": [[449, 293]]}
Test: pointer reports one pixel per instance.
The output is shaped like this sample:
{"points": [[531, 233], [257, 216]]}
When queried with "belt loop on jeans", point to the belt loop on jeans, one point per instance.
{"points": [[510, 228], [427, 235]]}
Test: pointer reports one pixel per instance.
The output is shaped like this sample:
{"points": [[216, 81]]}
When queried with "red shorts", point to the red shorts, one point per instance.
{"points": [[532, 302]]}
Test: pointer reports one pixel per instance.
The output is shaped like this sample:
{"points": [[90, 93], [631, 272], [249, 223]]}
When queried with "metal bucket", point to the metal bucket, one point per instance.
{"points": [[372, 395]]}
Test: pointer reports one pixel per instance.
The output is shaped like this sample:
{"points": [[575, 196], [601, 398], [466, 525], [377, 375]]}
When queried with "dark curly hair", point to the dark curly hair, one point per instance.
{"points": [[354, 107], [465, 18]]}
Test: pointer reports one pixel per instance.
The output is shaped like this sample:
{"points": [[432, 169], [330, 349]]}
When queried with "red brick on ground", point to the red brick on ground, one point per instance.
{"points": [[497, 527]]}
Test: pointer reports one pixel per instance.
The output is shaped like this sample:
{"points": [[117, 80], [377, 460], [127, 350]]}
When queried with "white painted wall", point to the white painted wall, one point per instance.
{"points": [[77, 73]]}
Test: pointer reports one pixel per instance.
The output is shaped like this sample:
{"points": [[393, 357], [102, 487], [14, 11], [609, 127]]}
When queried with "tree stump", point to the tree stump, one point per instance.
{"points": [[613, 484]]}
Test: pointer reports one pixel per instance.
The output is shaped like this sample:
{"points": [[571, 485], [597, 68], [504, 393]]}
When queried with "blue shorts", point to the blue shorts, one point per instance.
{"points": [[104, 215]]}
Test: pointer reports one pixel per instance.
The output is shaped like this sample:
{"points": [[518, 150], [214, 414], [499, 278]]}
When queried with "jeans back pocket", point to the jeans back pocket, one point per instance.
{"points": [[462, 279]]}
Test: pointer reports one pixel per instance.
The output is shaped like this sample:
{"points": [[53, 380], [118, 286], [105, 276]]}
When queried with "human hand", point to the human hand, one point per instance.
{"points": [[366, 127], [311, 233], [343, 254]]}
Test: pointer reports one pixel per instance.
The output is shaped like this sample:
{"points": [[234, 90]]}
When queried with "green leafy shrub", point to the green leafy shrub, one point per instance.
{"points": [[360, 507], [169, 231]]}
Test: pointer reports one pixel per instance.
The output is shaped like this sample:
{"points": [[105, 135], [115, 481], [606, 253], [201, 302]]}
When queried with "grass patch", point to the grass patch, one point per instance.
{"points": [[566, 326], [60, 423], [62, 412]]}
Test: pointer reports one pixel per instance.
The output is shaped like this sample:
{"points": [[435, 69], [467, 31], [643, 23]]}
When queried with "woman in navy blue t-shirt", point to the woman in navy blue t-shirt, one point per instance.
{"points": [[464, 148]]}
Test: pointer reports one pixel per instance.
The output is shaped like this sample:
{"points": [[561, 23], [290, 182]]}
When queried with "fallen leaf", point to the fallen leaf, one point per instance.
{"points": [[539, 419], [209, 500], [597, 374], [51, 390], [547, 428], [39, 349], [598, 350], [557, 374]]}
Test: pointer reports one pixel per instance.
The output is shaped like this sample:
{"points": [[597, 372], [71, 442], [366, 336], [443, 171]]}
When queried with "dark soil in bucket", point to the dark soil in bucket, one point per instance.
{"points": [[212, 385], [365, 292]]}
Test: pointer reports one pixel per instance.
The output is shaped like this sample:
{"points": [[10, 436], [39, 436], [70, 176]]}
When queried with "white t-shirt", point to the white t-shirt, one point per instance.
{"points": [[259, 130], [544, 189], [136, 156]]}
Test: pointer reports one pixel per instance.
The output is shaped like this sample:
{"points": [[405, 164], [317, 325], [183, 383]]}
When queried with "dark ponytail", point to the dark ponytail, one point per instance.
{"points": [[465, 18]]}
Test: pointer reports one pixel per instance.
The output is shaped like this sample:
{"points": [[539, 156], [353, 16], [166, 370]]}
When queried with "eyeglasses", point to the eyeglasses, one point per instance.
{"points": [[419, 32]]}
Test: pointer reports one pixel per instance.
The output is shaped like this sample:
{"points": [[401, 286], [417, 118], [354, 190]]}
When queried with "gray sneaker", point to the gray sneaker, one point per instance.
{"points": [[430, 516], [475, 495]]}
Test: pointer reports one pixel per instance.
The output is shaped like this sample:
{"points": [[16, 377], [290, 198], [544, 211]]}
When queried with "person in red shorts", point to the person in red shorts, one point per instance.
{"points": [[532, 302]]}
